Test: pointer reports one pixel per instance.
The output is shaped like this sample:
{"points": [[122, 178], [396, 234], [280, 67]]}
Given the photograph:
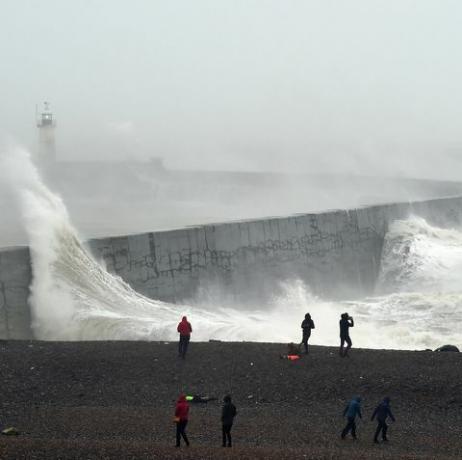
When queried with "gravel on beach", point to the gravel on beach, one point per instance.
{"points": [[104, 400]]}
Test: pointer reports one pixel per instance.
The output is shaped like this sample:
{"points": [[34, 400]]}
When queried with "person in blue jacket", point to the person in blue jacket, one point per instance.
{"points": [[382, 411], [352, 410]]}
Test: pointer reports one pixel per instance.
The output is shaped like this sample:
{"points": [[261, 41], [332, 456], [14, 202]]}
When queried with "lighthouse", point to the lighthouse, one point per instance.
{"points": [[46, 126]]}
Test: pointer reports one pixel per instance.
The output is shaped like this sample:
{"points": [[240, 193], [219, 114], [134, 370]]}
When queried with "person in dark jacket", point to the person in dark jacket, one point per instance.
{"points": [[352, 410], [185, 329], [181, 419], [346, 322], [228, 412], [382, 411], [307, 325]]}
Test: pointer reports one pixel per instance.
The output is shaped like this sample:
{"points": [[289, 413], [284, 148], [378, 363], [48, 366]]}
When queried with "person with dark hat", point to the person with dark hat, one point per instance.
{"points": [[382, 411], [346, 321], [307, 326], [228, 412]]}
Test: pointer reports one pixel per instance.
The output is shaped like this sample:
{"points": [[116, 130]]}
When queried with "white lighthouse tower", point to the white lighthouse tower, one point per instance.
{"points": [[46, 126]]}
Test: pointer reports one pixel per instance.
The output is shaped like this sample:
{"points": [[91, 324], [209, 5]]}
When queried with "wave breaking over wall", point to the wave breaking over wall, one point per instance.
{"points": [[394, 267]]}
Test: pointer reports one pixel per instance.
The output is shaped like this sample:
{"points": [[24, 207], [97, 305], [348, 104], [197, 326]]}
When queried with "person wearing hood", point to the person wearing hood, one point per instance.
{"points": [[228, 412], [307, 325], [382, 411], [181, 419], [352, 410], [185, 329], [346, 321]]}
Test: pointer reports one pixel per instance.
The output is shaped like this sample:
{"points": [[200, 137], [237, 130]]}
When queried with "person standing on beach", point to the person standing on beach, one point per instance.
{"points": [[181, 419], [346, 322], [307, 325], [185, 329], [228, 412], [382, 411], [352, 410]]}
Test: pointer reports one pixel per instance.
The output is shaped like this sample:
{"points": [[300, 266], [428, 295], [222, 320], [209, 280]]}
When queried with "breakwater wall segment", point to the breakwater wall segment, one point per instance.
{"points": [[337, 253], [15, 277]]}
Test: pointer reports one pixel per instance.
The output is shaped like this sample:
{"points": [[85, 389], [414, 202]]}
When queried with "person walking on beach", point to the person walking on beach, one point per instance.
{"points": [[185, 329], [181, 419], [352, 410], [346, 322], [228, 412], [307, 325], [382, 411]]}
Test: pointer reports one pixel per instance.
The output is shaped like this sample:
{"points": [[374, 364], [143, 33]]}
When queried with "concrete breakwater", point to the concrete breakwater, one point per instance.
{"points": [[337, 253]]}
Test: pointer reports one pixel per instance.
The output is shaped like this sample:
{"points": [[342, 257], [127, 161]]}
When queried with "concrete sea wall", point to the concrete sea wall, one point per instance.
{"points": [[337, 253], [15, 276]]}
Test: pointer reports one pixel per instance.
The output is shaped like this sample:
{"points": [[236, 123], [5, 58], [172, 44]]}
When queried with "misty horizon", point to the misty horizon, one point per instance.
{"points": [[369, 88]]}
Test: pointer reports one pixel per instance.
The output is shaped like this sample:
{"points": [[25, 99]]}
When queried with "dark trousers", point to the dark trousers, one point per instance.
{"points": [[183, 345], [226, 434], [381, 427], [305, 341], [344, 352], [350, 426], [180, 432]]}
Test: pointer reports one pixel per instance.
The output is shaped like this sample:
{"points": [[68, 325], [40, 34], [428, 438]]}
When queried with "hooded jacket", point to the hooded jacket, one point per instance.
{"points": [[345, 324], [382, 411], [307, 325], [228, 412], [182, 408], [184, 327], [353, 409]]}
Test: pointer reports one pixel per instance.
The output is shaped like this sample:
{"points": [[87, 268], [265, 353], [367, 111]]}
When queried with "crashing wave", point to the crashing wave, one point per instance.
{"points": [[417, 257], [73, 297]]}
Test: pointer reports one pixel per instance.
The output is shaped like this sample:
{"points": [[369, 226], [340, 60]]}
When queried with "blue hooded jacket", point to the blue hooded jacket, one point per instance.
{"points": [[353, 409]]}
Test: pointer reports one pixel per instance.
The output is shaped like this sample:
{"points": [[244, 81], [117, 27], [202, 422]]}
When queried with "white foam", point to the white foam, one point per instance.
{"points": [[418, 302]]}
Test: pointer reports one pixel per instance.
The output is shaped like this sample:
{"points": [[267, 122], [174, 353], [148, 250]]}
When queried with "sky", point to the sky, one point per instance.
{"points": [[358, 86]]}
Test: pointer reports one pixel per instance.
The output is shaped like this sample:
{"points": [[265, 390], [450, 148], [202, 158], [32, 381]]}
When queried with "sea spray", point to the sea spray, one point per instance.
{"points": [[418, 302], [74, 298]]}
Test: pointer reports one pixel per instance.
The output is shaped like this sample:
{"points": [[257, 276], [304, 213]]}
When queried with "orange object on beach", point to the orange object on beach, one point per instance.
{"points": [[293, 357]]}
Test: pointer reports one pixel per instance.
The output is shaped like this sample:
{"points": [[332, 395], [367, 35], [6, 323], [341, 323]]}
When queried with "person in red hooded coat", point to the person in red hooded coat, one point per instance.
{"points": [[181, 419], [185, 329]]}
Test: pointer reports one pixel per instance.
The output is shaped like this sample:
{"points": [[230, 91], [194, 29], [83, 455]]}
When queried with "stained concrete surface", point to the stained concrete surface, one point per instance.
{"points": [[337, 253]]}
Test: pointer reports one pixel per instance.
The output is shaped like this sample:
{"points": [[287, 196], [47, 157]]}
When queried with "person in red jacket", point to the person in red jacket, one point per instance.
{"points": [[185, 329], [181, 419]]}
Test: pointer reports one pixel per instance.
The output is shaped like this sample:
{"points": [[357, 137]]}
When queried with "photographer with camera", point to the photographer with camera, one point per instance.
{"points": [[346, 321]]}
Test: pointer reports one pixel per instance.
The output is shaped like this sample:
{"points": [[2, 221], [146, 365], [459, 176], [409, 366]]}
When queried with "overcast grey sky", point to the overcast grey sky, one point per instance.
{"points": [[362, 86]]}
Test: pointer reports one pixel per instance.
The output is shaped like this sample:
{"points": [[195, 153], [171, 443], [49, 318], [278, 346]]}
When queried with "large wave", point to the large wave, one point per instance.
{"points": [[418, 257], [73, 297], [419, 288], [418, 302]]}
